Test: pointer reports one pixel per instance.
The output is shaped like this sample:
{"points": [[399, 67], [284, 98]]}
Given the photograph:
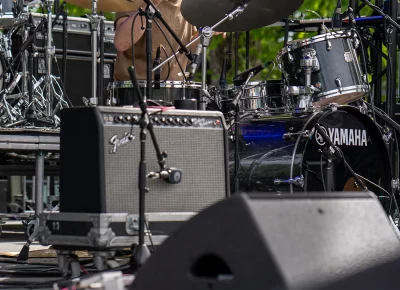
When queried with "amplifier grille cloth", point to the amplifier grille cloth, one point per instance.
{"points": [[198, 152]]}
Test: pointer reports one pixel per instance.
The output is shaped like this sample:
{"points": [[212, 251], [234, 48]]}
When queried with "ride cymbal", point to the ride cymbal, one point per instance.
{"points": [[111, 5], [258, 13]]}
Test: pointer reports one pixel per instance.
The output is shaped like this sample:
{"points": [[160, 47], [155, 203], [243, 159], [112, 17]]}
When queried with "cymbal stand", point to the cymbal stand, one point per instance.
{"points": [[94, 27], [231, 15], [206, 34], [50, 52]]}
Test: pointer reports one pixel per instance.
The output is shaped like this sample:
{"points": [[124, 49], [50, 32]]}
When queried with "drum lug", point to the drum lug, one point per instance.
{"points": [[297, 181], [333, 107], [338, 83], [396, 184], [310, 60], [387, 135], [305, 102]]}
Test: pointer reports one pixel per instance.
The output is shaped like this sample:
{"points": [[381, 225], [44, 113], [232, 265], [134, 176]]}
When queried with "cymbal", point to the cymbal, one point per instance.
{"points": [[258, 13], [111, 5]]}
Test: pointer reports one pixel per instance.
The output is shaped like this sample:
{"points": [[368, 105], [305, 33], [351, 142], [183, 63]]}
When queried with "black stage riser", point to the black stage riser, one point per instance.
{"points": [[273, 242], [95, 180]]}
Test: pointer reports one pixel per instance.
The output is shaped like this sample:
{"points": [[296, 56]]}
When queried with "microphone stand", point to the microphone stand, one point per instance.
{"points": [[339, 155], [329, 169], [101, 63], [172, 175], [229, 16]]}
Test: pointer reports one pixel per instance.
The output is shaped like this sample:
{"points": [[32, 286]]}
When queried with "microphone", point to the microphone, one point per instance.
{"points": [[337, 17], [222, 79], [241, 78], [196, 61], [239, 95], [171, 175], [157, 72]]}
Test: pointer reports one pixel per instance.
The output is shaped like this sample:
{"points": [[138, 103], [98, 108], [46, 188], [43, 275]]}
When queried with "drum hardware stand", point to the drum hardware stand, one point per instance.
{"points": [[172, 175], [309, 63], [94, 26], [231, 15], [50, 52], [206, 34], [101, 61], [150, 13], [23, 49], [339, 155]]}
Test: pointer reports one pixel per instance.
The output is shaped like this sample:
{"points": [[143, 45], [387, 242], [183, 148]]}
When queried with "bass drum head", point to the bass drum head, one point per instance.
{"points": [[267, 159], [361, 143]]}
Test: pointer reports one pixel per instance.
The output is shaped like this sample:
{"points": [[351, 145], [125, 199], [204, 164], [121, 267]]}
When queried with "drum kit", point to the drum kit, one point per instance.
{"points": [[272, 123]]}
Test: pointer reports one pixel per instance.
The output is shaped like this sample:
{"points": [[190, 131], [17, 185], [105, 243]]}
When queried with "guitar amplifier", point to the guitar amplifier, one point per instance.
{"points": [[79, 36], [100, 154]]}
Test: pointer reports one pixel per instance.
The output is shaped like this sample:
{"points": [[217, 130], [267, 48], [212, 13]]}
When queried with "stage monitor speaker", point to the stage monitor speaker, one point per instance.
{"points": [[78, 78], [382, 277], [295, 242], [100, 154]]}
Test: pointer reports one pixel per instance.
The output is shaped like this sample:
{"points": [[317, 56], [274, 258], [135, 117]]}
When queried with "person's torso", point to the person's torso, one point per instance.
{"points": [[172, 15]]}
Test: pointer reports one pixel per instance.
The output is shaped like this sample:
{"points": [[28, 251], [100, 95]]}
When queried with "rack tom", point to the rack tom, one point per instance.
{"points": [[336, 76]]}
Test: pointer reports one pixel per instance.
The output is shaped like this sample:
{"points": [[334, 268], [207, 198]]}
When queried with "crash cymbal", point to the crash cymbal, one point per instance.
{"points": [[259, 13], [111, 5]]}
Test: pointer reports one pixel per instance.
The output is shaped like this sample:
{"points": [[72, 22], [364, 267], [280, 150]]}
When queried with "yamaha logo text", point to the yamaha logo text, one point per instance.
{"points": [[345, 137]]}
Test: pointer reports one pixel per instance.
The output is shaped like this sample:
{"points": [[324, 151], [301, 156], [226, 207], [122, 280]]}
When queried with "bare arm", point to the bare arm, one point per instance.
{"points": [[123, 38]]}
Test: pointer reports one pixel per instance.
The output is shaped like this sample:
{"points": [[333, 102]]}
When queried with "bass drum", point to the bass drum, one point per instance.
{"points": [[268, 154]]}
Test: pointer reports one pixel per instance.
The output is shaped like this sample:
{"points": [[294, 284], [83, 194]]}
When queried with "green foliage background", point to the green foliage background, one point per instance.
{"points": [[265, 42]]}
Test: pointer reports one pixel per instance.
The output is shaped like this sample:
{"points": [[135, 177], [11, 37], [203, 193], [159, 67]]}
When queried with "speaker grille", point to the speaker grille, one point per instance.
{"points": [[198, 150], [199, 153]]}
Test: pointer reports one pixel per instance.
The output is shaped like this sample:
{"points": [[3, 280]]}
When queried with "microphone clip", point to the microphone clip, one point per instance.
{"points": [[171, 175]]}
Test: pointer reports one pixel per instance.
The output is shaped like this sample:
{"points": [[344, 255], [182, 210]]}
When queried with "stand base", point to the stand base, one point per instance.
{"points": [[190, 104], [139, 256]]}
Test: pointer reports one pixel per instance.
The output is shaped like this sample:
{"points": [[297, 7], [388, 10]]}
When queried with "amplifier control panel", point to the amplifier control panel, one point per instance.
{"points": [[160, 119]]}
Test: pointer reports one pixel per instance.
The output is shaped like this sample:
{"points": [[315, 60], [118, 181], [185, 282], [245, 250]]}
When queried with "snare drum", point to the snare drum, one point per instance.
{"points": [[254, 97], [123, 93], [336, 73]]}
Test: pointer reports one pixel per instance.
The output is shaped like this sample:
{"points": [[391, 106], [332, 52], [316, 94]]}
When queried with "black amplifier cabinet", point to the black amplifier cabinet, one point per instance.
{"points": [[100, 154], [78, 77], [79, 36]]}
